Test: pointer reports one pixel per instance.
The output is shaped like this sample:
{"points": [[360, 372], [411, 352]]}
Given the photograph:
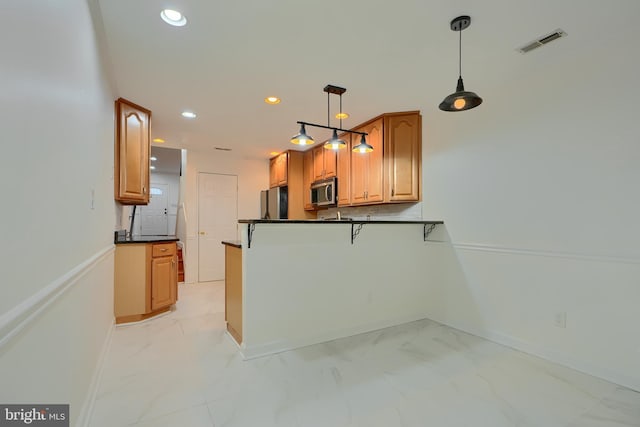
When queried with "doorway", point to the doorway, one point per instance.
{"points": [[217, 221], [160, 215], [154, 216]]}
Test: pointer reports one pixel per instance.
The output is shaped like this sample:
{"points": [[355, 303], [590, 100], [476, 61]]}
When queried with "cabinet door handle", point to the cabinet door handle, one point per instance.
{"points": [[164, 250], [393, 192], [144, 190]]}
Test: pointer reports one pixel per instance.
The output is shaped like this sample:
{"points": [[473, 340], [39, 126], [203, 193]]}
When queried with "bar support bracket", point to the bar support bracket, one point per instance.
{"points": [[250, 229], [355, 231], [428, 231]]}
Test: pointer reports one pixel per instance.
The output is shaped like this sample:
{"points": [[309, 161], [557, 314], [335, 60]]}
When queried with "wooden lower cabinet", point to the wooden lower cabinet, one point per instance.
{"points": [[233, 291], [145, 280]]}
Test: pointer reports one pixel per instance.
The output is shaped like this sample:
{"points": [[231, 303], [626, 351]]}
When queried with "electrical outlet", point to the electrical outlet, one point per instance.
{"points": [[560, 319], [93, 199]]}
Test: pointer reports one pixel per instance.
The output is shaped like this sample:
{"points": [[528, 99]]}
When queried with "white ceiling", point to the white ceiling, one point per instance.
{"points": [[390, 55]]}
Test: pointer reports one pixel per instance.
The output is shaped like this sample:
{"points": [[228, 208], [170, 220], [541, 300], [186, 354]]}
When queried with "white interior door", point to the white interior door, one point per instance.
{"points": [[153, 217], [217, 221]]}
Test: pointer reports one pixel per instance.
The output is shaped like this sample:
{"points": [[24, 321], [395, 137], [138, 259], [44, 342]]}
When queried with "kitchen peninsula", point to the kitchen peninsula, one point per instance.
{"points": [[301, 282]]}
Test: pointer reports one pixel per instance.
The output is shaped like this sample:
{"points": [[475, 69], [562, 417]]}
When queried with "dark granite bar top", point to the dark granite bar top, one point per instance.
{"points": [[331, 221], [234, 243], [118, 240]]}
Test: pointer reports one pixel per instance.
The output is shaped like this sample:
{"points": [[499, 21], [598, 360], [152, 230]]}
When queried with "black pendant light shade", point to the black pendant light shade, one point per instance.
{"points": [[363, 147], [460, 100], [335, 143], [302, 138]]}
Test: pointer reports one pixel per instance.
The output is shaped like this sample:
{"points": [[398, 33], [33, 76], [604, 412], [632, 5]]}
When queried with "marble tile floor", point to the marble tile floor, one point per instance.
{"points": [[182, 370]]}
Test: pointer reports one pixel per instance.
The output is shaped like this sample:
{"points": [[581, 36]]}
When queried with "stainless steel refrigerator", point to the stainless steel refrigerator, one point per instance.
{"points": [[274, 203]]}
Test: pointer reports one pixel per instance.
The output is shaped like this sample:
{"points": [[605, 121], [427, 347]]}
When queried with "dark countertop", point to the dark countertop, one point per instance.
{"points": [[331, 221], [234, 243], [118, 240]]}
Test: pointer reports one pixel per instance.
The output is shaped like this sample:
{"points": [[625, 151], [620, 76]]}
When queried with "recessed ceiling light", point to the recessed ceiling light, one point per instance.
{"points": [[153, 158], [152, 167], [273, 100], [173, 17], [158, 140], [189, 114], [342, 116]]}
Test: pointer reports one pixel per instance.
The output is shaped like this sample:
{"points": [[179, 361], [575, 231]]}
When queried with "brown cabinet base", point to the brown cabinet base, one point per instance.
{"points": [[141, 317]]}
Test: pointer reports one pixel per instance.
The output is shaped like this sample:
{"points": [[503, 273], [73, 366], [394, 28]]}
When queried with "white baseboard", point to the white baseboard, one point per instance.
{"points": [[628, 380], [279, 346], [87, 408]]}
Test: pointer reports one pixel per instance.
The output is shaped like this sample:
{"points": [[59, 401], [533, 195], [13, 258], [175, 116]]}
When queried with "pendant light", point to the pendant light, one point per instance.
{"points": [[334, 143], [460, 100], [302, 138], [363, 147]]}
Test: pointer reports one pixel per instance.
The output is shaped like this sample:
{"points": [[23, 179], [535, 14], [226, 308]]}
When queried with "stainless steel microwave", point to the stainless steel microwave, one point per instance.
{"points": [[325, 192]]}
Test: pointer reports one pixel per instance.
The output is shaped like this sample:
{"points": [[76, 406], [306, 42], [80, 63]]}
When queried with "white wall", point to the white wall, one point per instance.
{"points": [[539, 191], [307, 283], [253, 176], [56, 119]]}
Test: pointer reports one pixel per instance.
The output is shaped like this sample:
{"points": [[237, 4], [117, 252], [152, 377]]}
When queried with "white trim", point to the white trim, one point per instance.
{"points": [[543, 253], [86, 412], [279, 346], [625, 379], [20, 316]]}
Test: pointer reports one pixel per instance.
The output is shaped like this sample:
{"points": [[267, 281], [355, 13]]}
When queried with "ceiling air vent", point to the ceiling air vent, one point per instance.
{"points": [[542, 41]]}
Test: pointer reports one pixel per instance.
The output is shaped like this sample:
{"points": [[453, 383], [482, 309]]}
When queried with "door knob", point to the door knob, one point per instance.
{"points": [[202, 233]]}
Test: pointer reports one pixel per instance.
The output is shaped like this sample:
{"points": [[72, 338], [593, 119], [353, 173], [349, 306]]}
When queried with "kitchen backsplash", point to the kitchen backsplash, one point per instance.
{"points": [[399, 212]]}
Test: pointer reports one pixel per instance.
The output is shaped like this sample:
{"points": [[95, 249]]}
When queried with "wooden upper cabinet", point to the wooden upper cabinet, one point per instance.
{"points": [[273, 172], [307, 179], [403, 157], [367, 178], [324, 163], [131, 173], [343, 171], [278, 170]]}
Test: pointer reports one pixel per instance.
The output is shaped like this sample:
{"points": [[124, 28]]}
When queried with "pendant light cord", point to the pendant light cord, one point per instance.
{"points": [[460, 54]]}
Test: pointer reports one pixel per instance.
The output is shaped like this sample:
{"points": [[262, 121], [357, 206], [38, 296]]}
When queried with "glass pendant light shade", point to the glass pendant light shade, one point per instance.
{"points": [[461, 100], [363, 147], [302, 138], [335, 143]]}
